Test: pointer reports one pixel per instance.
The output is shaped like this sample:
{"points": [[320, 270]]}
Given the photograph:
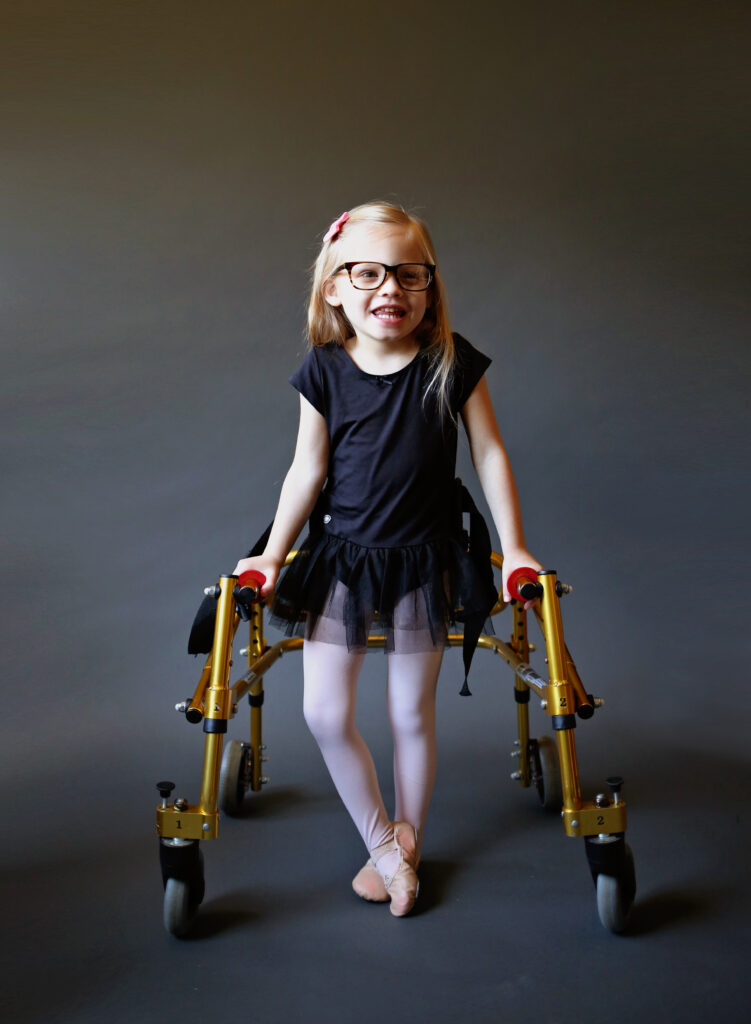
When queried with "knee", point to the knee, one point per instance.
{"points": [[325, 721], [414, 720]]}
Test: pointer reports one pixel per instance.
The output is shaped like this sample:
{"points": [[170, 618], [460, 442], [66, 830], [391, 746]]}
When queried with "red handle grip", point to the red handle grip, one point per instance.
{"points": [[518, 578], [252, 578]]}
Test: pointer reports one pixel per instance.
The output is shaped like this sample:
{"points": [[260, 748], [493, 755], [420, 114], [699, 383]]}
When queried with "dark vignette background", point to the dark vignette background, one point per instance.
{"points": [[167, 171]]}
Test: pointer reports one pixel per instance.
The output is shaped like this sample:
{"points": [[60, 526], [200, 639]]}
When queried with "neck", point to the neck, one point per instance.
{"points": [[381, 357]]}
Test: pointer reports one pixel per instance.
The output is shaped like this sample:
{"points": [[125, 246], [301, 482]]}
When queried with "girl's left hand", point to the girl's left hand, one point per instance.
{"points": [[518, 558]]}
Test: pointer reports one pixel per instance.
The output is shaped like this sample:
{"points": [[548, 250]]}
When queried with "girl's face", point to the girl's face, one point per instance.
{"points": [[390, 314]]}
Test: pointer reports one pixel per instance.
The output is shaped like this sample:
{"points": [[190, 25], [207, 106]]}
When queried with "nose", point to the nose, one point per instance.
{"points": [[390, 282]]}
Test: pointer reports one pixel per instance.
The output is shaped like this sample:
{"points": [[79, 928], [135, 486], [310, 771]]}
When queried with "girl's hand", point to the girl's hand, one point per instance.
{"points": [[270, 567], [518, 558]]}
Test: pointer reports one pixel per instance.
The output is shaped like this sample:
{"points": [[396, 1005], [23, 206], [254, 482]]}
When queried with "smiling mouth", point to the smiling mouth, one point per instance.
{"points": [[390, 313]]}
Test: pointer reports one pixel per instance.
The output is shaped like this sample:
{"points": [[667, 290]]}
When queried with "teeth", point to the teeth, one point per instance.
{"points": [[388, 312]]}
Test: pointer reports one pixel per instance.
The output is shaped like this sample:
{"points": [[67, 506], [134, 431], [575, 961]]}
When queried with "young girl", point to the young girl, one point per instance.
{"points": [[381, 391]]}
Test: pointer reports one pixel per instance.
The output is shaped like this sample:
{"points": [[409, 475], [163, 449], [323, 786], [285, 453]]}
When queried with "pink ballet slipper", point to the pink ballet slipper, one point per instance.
{"points": [[369, 884], [402, 886]]}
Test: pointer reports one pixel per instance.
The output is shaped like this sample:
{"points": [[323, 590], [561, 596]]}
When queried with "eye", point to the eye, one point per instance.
{"points": [[414, 276], [367, 273]]}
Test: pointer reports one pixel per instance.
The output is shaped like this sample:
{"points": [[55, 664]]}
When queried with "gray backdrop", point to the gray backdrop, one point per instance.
{"points": [[168, 170]]}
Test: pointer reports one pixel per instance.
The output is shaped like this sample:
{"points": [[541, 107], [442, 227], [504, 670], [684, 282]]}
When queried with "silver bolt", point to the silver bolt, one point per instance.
{"points": [[181, 803], [516, 775], [182, 706], [206, 827], [544, 704], [211, 591], [264, 780], [599, 702], [574, 824], [244, 651], [262, 746], [517, 743]]}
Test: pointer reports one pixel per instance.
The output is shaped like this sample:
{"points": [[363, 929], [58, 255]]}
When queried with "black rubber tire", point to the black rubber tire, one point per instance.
{"points": [[178, 911], [182, 898], [615, 895]]}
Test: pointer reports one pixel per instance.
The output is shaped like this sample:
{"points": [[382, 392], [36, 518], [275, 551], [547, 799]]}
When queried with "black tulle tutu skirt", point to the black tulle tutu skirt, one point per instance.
{"points": [[340, 592]]}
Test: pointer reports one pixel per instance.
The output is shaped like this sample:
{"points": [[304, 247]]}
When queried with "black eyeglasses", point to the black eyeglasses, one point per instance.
{"points": [[413, 277]]}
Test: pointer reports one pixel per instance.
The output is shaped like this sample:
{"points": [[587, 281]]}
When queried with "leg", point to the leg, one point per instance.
{"points": [[411, 694], [331, 673]]}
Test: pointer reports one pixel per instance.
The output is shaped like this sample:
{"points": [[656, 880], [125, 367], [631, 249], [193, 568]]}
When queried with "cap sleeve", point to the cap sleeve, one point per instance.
{"points": [[308, 381], [470, 365]]}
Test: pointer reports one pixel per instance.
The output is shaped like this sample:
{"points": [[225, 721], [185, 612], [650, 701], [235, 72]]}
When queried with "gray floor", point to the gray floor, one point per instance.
{"points": [[505, 924]]}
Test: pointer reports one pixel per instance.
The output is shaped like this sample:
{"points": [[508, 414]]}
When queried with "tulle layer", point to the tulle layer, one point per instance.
{"points": [[340, 592]]}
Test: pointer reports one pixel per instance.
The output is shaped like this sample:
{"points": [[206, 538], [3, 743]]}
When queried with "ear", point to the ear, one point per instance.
{"points": [[331, 291]]}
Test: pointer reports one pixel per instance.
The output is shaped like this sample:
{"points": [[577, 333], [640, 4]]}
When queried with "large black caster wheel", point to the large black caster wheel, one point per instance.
{"points": [[234, 776], [545, 772], [612, 865], [182, 874]]}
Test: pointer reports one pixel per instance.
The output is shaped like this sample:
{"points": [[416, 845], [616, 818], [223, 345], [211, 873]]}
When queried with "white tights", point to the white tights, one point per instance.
{"points": [[331, 673]]}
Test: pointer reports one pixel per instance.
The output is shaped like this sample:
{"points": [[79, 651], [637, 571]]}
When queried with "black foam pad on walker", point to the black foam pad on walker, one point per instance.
{"points": [[201, 636]]}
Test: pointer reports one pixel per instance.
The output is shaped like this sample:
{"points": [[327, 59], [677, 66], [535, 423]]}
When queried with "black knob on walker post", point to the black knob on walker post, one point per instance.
{"points": [[165, 788], [615, 782]]}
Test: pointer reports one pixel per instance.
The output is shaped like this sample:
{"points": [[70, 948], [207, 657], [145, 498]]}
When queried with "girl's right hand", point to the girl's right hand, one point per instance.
{"points": [[270, 567]]}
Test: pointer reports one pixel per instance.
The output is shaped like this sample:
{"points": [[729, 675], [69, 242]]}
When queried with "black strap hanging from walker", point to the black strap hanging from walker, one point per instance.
{"points": [[478, 546]]}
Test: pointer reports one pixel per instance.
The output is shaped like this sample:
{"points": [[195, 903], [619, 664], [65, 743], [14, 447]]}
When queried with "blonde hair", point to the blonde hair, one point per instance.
{"points": [[330, 323]]}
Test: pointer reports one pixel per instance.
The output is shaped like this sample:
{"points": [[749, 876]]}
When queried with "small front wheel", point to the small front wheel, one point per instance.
{"points": [[545, 772], [615, 894], [183, 880], [234, 777], [178, 912]]}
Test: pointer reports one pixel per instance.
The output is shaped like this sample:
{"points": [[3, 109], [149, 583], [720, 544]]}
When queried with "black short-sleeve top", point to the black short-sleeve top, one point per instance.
{"points": [[392, 459]]}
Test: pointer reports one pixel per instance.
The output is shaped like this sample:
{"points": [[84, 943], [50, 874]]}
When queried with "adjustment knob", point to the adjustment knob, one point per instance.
{"points": [[165, 788], [614, 782]]}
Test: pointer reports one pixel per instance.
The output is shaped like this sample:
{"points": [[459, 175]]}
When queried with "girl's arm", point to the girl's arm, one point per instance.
{"points": [[494, 471], [300, 489]]}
